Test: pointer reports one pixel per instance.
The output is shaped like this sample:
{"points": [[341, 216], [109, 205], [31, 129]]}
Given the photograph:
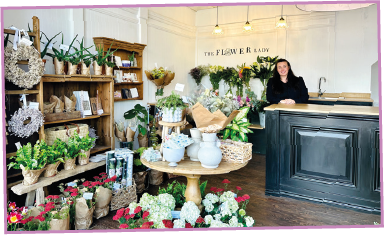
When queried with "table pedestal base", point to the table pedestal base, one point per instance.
{"points": [[192, 193]]}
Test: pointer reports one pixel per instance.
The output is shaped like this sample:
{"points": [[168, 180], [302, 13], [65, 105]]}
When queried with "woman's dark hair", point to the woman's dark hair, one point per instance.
{"points": [[277, 85]]}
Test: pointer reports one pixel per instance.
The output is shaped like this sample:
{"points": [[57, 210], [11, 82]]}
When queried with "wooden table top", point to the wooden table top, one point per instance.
{"points": [[188, 167]]}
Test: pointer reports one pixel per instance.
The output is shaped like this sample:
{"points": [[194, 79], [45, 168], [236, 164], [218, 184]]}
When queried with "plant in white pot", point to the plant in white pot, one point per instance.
{"points": [[55, 156], [172, 108]]}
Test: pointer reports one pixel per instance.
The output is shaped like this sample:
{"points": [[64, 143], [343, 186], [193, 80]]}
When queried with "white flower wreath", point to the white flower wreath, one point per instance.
{"points": [[18, 76], [16, 124]]}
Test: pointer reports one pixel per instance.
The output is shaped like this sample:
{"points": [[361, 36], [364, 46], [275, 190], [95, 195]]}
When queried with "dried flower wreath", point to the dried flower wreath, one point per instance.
{"points": [[16, 124], [18, 76]]}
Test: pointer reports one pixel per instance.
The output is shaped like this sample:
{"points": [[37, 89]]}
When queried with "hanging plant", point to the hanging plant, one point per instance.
{"points": [[215, 76]]}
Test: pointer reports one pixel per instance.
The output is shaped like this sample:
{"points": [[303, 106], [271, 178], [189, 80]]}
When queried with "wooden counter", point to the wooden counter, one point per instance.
{"points": [[327, 154]]}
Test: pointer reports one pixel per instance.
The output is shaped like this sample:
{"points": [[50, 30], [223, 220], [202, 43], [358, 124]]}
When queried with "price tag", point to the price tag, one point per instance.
{"points": [[18, 145], [235, 195], [88, 196], [179, 87], [118, 61], [72, 184], [116, 186], [175, 214], [64, 47]]}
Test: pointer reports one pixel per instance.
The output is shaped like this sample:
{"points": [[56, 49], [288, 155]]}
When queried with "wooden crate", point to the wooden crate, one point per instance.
{"points": [[51, 117]]}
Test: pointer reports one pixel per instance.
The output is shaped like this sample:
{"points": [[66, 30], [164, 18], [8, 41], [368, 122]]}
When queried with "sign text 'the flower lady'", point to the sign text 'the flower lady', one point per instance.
{"points": [[235, 51]]}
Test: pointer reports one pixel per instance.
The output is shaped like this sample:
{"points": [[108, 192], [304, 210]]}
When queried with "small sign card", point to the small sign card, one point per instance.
{"points": [[179, 87], [118, 61], [134, 93], [88, 196], [175, 214], [64, 47], [18, 145], [72, 184]]}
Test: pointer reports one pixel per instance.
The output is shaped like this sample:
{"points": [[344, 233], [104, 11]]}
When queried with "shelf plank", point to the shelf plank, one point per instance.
{"points": [[120, 99], [23, 62], [21, 189], [78, 119], [128, 83], [255, 126], [14, 175], [20, 92], [11, 31], [121, 67], [11, 154], [76, 78], [99, 148]]}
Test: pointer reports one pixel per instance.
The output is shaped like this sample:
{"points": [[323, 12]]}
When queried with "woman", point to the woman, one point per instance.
{"points": [[284, 87]]}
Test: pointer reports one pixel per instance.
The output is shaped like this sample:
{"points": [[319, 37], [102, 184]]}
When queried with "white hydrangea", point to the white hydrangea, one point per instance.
{"points": [[242, 212], [227, 196], [217, 216], [233, 205], [218, 224], [209, 208], [190, 212], [208, 219], [132, 206], [249, 221], [208, 205], [146, 201], [212, 197], [240, 225], [167, 200], [233, 222], [158, 213], [224, 209], [179, 223]]}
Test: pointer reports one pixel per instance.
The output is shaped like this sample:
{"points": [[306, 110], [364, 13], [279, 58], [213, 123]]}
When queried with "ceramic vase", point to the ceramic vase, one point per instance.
{"points": [[262, 119], [172, 115], [193, 149], [173, 155], [209, 153]]}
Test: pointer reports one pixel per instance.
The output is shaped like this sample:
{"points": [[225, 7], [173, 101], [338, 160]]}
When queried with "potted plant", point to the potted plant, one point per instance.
{"points": [[237, 130], [263, 70], [99, 59], [55, 156], [31, 161], [109, 64], [139, 170], [260, 105], [172, 108], [141, 114], [43, 53], [85, 144], [86, 59], [71, 152]]}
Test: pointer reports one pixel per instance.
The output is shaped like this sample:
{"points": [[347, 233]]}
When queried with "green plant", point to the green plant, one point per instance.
{"points": [[86, 58], [237, 130], [260, 105], [135, 113], [31, 158], [154, 140], [132, 57], [73, 148], [138, 166], [44, 51], [85, 143], [263, 70], [215, 76], [60, 55], [99, 57], [173, 101], [55, 152]]}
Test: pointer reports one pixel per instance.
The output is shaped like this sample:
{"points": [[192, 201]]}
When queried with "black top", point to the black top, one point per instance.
{"points": [[299, 96]]}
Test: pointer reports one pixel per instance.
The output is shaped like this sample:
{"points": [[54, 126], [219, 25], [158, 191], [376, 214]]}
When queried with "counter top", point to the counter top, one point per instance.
{"points": [[343, 96], [314, 108]]}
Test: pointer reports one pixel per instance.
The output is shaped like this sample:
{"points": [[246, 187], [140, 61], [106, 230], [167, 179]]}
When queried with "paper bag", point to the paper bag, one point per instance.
{"points": [[211, 122], [130, 134], [103, 199], [83, 217], [120, 134]]}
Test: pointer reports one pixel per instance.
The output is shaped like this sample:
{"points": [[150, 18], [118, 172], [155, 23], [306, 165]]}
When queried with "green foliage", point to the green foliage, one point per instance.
{"points": [[263, 69], [215, 79], [136, 113], [138, 166], [260, 105], [85, 143], [132, 57], [55, 152], [86, 58], [172, 101], [31, 158], [158, 72], [237, 130], [60, 55], [44, 51], [153, 136], [73, 148], [99, 57]]}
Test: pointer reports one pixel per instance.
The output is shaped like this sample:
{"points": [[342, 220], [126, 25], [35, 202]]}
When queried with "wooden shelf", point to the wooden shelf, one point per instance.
{"points": [[99, 148], [128, 83], [76, 78], [11, 31], [256, 126], [20, 92], [121, 99], [77, 119], [11, 154]]}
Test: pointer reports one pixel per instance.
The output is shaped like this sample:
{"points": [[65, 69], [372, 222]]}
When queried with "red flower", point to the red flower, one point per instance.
{"points": [[114, 178], [200, 220], [104, 176], [116, 217], [43, 213], [102, 173], [238, 188], [74, 194], [126, 212], [239, 199], [147, 225], [12, 205], [86, 183], [213, 189], [69, 188], [123, 226], [69, 202], [14, 218], [168, 223], [137, 210], [120, 212], [188, 225], [42, 205], [246, 197], [39, 217], [145, 214], [107, 180], [93, 184], [24, 221], [49, 197], [74, 190], [132, 216], [96, 177], [219, 190], [55, 197], [226, 181]]}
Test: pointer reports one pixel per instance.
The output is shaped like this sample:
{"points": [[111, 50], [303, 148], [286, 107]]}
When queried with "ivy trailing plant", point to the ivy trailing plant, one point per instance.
{"points": [[173, 101], [31, 158], [237, 130], [136, 112], [55, 151]]}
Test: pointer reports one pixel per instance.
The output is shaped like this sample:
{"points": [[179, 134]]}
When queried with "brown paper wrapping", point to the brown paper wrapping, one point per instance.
{"points": [[30, 176], [204, 119], [120, 134], [108, 70], [59, 224], [85, 70], [83, 215], [139, 178], [51, 169], [72, 68], [70, 164], [98, 69], [156, 177], [59, 66], [168, 78], [130, 134], [59, 107], [49, 107], [70, 103], [103, 199], [84, 160], [143, 140]]}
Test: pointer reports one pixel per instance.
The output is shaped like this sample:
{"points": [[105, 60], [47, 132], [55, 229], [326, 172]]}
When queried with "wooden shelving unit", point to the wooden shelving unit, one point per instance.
{"points": [[125, 50]]}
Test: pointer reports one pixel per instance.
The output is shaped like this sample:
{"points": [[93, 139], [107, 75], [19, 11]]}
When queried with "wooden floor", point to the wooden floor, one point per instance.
{"points": [[269, 210]]}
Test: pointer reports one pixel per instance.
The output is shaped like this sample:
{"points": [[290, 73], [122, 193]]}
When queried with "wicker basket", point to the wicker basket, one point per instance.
{"points": [[63, 133], [236, 152], [123, 197]]}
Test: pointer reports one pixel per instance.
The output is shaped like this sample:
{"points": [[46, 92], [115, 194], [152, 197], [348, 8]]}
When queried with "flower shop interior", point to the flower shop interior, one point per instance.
{"points": [[157, 117]]}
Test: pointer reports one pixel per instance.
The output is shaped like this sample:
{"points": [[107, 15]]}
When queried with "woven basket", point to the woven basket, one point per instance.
{"points": [[61, 132], [123, 197], [236, 152]]}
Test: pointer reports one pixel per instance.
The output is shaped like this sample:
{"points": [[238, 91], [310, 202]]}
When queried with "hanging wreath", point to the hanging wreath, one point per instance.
{"points": [[16, 124], [18, 76]]}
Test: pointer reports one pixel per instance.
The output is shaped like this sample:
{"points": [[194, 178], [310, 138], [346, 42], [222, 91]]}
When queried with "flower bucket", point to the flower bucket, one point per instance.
{"points": [[30, 176], [85, 70], [108, 70], [72, 68], [262, 119], [139, 178], [103, 199], [97, 69], [59, 66], [51, 169], [83, 215], [70, 164], [84, 160]]}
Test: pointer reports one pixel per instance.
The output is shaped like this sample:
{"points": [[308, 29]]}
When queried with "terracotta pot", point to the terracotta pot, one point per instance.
{"points": [[51, 169], [84, 160], [108, 70], [59, 66], [30, 176], [97, 69], [70, 164], [85, 70]]}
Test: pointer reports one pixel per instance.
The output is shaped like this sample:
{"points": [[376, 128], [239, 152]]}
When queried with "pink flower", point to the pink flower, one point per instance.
{"points": [[200, 220], [123, 226], [145, 214], [137, 210], [12, 205], [238, 188], [226, 181], [74, 194], [246, 197], [213, 189]]}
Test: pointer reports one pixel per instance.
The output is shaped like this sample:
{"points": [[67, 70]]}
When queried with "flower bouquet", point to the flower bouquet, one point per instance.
{"points": [[160, 77], [263, 70], [199, 72], [215, 76]]}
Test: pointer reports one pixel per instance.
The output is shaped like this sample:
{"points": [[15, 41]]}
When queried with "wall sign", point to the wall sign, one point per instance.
{"points": [[236, 51]]}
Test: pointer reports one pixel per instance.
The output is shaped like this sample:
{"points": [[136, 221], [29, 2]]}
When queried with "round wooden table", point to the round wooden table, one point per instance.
{"points": [[193, 170]]}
